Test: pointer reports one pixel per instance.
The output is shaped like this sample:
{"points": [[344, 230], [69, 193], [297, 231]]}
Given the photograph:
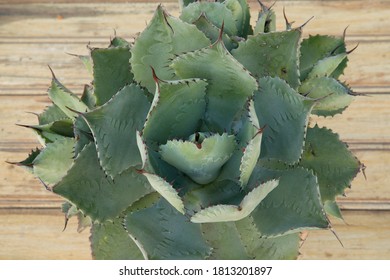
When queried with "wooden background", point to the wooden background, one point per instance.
{"points": [[34, 34]]}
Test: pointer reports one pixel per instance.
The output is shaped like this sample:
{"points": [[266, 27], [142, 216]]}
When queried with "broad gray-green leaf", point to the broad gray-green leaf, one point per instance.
{"points": [[166, 190], [163, 38], [228, 213], [272, 54], [326, 66], [87, 186], [64, 99], [225, 241], [200, 161], [164, 233], [114, 126], [242, 240], [54, 161], [216, 12], [330, 159], [333, 97], [229, 84], [177, 110], [316, 48], [293, 206], [284, 113], [51, 114], [267, 248], [111, 72], [110, 241]]}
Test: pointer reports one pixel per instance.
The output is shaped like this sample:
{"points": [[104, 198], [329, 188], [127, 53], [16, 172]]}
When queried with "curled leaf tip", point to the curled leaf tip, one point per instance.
{"points": [[345, 32], [363, 169], [66, 223], [337, 237], [304, 24], [350, 51], [288, 23], [45, 185], [52, 72], [14, 163], [35, 114]]}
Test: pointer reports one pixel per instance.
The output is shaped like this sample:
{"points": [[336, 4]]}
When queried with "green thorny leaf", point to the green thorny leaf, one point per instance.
{"points": [[242, 240], [164, 233], [332, 96], [317, 48], [188, 99], [110, 241], [272, 54], [111, 71], [330, 160], [114, 126], [157, 45], [284, 113], [87, 186], [225, 100], [65, 99], [54, 161], [293, 206]]}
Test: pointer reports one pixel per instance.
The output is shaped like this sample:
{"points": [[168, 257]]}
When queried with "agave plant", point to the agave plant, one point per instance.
{"points": [[195, 141]]}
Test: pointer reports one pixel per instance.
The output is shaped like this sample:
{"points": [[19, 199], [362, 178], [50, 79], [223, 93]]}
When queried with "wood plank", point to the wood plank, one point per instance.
{"points": [[38, 235], [330, 16], [77, 1], [23, 68], [26, 235], [78, 25], [365, 236]]}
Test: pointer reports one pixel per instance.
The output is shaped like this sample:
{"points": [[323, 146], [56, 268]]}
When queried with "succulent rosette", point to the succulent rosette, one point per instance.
{"points": [[194, 141]]}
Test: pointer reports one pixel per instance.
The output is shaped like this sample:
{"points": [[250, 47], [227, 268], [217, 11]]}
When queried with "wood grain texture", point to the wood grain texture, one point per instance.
{"points": [[364, 235], [38, 235], [39, 33]]}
